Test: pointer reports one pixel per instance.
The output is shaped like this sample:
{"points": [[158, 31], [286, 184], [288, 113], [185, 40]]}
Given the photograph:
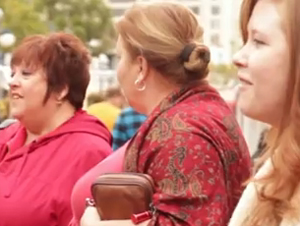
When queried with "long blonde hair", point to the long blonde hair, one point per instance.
{"points": [[278, 187], [159, 32]]}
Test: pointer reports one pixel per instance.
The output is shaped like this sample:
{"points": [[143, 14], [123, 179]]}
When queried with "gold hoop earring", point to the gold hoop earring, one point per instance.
{"points": [[138, 85], [59, 102]]}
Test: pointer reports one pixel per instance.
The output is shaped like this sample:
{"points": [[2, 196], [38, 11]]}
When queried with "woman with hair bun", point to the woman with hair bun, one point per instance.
{"points": [[190, 144]]}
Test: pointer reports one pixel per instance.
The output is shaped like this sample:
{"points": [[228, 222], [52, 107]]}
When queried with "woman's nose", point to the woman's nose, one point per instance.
{"points": [[240, 58], [14, 81]]}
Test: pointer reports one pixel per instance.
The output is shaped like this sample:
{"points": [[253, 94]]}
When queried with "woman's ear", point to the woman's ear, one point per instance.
{"points": [[60, 96], [144, 67]]}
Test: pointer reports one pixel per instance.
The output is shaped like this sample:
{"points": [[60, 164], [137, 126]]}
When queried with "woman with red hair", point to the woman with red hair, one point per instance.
{"points": [[54, 142], [269, 72]]}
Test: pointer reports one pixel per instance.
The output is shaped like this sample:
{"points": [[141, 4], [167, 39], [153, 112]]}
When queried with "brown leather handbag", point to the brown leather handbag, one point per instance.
{"points": [[120, 196]]}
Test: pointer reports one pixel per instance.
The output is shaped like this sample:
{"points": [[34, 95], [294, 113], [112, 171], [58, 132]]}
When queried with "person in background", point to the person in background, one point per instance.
{"points": [[127, 124], [269, 73], [4, 107], [115, 96], [53, 142], [94, 98], [109, 110], [190, 144]]}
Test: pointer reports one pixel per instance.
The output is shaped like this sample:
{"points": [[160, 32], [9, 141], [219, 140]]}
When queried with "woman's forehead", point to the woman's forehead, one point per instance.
{"points": [[266, 18]]}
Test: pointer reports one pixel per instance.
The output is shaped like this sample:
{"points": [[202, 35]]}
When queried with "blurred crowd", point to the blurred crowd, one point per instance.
{"points": [[113, 110]]}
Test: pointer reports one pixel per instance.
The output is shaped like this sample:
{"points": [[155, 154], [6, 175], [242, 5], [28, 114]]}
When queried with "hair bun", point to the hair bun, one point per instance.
{"points": [[198, 58]]}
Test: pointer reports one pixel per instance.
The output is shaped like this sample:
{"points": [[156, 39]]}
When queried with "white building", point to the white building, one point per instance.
{"points": [[220, 21], [218, 17]]}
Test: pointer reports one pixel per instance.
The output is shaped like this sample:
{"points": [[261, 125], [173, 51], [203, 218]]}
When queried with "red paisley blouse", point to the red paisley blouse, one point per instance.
{"points": [[194, 150]]}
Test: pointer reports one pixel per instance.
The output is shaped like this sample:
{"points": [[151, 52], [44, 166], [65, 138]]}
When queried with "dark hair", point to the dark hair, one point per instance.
{"points": [[63, 58], [113, 92], [93, 98]]}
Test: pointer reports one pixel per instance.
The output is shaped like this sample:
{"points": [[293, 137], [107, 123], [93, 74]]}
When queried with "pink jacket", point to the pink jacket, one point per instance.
{"points": [[36, 180]]}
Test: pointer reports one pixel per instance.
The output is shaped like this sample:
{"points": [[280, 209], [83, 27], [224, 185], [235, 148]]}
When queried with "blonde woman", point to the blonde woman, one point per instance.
{"points": [[191, 144], [270, 76]]}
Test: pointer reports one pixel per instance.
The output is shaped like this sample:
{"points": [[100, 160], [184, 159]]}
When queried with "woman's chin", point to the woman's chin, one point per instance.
{"points": [[16, 115]]}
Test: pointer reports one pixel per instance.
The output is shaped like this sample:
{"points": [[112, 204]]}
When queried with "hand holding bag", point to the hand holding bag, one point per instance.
{"points": [[120, 196]]}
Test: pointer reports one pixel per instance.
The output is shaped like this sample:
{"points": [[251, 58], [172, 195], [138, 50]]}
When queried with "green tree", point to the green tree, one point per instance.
{"points": [[21, 19], [87, 19], [222, 73]]}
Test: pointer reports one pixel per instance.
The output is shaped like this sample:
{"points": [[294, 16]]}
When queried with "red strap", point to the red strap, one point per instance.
{"points": [[141, 217]]}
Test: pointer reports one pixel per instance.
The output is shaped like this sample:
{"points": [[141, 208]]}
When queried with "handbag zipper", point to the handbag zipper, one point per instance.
{"points": [[135, 174]]}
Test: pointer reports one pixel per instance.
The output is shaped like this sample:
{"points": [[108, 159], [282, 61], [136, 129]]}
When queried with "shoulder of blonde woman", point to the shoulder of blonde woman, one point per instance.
{"points": [[248, 199]]}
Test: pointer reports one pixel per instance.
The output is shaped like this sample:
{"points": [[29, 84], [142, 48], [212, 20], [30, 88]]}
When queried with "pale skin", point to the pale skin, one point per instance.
{"points": [[263, 65], [129, 70], [27, 91]]}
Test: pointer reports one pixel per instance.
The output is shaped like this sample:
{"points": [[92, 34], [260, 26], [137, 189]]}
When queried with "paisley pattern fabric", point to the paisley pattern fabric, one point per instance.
{"points": [[194, 150]]}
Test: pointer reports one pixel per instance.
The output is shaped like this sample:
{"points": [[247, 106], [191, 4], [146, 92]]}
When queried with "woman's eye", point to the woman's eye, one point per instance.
{"points": [[258, 42], [26, 73]]}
